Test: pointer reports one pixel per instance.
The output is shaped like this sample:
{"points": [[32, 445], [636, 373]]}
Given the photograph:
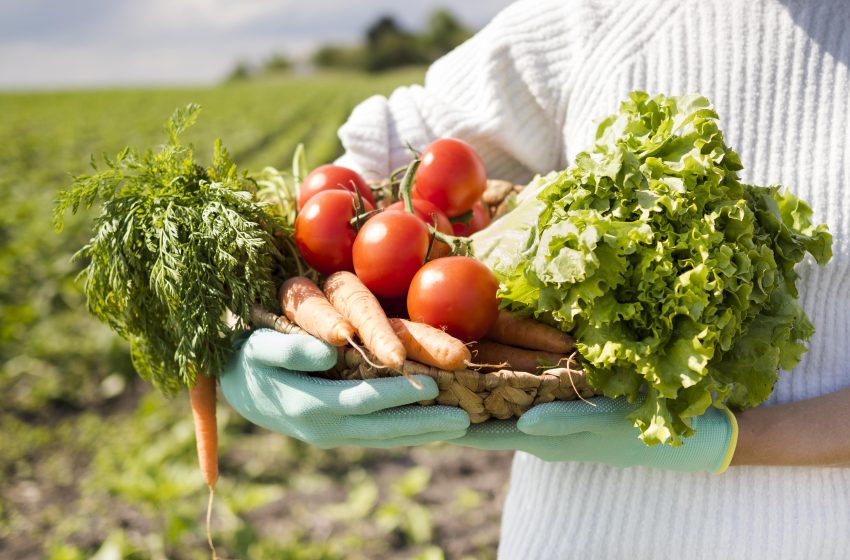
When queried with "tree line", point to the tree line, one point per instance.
{"points": [[385, 45]]}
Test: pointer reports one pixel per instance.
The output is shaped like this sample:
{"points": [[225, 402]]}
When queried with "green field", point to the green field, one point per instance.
{"points": [[93, 464]]}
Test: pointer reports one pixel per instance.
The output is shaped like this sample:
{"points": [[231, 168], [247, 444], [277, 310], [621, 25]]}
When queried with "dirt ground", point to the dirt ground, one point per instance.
{"points": [[353, 503]]}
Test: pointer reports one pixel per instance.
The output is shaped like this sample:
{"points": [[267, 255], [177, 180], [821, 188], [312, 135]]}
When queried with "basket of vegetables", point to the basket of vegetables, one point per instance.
{"points": [[646, 270], [675, 280], [402, 294]]}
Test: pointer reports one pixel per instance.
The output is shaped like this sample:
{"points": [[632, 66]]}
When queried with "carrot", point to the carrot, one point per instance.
{"points": [[430, 345], [202, 399], [305, 304], [494, 355], [357, 304], [528, 333], [261, 317]]}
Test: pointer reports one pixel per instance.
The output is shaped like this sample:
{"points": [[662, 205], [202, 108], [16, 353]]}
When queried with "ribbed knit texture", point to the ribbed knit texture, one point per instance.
{"points": [[525, 92]]}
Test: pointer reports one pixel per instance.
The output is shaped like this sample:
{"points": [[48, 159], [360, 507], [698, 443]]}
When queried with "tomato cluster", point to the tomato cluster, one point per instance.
{"points": [[338, 229]]}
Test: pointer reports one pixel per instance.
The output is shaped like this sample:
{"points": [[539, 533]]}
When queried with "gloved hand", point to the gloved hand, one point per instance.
{"points": [[578, 431], [261, 382]]}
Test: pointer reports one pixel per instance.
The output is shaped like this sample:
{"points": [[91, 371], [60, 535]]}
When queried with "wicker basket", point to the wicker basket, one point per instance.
{"points": [[483, 395]]}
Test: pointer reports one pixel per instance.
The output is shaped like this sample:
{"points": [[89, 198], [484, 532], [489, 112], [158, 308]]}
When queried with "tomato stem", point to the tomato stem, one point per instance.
{"points": [[431, 239], [362, 217], [360, 204], [460, 245], [406, 188]]}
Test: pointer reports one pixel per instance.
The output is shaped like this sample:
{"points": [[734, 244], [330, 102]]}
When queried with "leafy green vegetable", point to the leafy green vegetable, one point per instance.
{"points": [[176, 246], [677, 280]]}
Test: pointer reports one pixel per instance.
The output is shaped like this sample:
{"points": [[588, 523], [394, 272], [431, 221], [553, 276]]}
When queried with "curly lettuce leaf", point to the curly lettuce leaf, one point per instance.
{"points": [[676, 279]]}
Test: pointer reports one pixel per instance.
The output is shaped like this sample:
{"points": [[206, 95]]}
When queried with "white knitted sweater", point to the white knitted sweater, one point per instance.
{"points": [[525, 91]]}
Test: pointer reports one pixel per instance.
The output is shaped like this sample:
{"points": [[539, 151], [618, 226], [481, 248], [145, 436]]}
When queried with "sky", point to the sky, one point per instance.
{"points": [[47, 44]]}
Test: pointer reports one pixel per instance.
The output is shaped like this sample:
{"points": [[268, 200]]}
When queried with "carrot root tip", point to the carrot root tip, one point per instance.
{"points": [[213, 554], [362, 353]]}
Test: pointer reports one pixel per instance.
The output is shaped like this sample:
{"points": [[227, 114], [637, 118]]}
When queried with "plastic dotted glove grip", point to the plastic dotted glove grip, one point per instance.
{"points": [[264, 383], [579, 431]]}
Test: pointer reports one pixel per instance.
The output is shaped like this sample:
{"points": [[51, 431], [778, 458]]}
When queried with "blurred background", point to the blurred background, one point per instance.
{"points": [[93, 463]]}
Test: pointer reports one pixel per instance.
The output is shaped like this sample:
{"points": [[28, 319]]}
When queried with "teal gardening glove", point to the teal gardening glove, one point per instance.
{"points": [[263, 384], [579, 431]]}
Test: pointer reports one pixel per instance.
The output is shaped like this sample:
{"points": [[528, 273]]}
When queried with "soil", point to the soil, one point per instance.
{"points": [[464, 494]]}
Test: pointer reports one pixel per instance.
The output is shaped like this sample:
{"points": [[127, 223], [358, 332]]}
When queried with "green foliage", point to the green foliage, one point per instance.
{"points": [[390, 46], [241, 72], [277, 63], [442, 33], [387, 45], [673, 275], [175, 247], [341, 57]]}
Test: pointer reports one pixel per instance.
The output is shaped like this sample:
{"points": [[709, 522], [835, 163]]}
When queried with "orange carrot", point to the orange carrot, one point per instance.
{"points": [[202, 399], [305, 304], [357, 304], [431, 346], [528, 333], [261, 317], [494, 355]]}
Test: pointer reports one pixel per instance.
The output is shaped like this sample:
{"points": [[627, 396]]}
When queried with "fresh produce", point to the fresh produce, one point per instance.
{"points": [[472, 223], [175, 247], [388, 250], [676, 279], [357, 304], [304, 303], [495, 355], [432, 216], [202, 400], [324, 233], [457, 294], [431, 346], [527, 333], [333, 177], [452, 176]]}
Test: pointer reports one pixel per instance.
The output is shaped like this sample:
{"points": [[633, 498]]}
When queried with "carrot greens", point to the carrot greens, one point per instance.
{"points": [[175, 246]]}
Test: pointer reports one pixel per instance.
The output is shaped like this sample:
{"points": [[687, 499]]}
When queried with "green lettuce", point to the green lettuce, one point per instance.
{"points": [[676, 279]]}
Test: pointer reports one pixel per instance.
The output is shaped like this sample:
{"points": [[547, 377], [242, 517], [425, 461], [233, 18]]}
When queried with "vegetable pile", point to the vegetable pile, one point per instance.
{"points": [[179, 251], [183, 257], [676, 279], [397, 250]]}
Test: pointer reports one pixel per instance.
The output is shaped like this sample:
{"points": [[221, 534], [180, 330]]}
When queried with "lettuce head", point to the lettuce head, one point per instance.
{"points": [[676, 279]]}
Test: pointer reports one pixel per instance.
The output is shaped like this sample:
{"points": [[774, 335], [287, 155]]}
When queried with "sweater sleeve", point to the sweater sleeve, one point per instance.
{"points": [[504, 91]]}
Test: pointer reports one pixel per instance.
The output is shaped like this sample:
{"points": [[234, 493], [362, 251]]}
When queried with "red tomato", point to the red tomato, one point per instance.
{"points": [[429, 214], [388, 251], [457, 294], [323, 232], [479, 220], [333, 177], [451, 175]]}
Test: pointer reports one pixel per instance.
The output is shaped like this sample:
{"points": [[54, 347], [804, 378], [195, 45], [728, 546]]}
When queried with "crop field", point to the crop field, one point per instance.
{"points": [[95, 464]]}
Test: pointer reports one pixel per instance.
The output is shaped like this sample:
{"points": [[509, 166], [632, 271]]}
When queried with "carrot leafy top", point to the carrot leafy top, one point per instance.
{"points": [[176, 245]]}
